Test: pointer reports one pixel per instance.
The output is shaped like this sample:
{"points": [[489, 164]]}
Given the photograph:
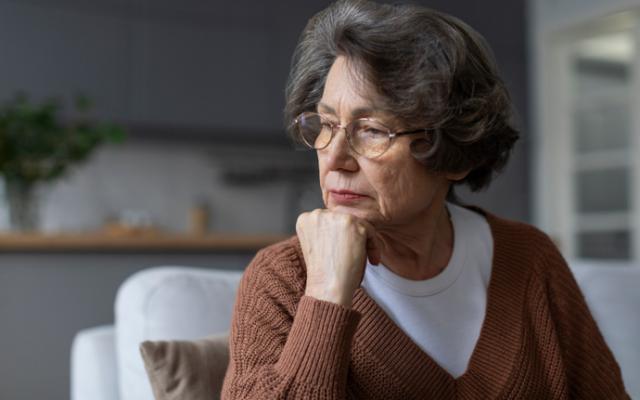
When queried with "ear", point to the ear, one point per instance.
{"points": [[457, 176]]}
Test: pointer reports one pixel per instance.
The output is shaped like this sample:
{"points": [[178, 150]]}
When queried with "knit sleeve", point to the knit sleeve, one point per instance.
{"points": [[284, 345], [591, 369]]}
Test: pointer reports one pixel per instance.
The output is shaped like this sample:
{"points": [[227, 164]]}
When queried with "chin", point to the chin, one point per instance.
{"points": [[355, 211]]}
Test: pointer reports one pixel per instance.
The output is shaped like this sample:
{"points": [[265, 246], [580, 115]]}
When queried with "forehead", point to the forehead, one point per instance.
{"points": [[346, 85]]}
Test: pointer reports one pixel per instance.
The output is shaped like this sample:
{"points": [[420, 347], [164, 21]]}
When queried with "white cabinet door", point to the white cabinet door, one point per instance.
{"points": [[586, 62]]}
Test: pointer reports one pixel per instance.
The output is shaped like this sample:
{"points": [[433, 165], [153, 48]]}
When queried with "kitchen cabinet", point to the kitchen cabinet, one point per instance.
{"points": [[201, 76], [47, 51], [215, 68]]}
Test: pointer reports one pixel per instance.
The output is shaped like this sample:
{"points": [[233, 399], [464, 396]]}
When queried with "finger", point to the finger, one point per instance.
{"points": [[300, 226], [374, 244]]}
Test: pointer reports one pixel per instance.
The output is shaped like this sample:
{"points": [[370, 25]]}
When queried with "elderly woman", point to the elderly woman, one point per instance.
{"points": [[395, 290]]}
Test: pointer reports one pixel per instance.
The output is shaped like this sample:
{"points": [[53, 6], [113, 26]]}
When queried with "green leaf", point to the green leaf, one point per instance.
{"points": [[83, 103], [35, 144]]}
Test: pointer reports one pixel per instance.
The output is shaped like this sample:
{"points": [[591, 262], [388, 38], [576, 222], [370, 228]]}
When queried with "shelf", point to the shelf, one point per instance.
{"points": [[96, 242]]}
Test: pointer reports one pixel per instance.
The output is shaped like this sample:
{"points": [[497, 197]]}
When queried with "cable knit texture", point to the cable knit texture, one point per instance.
{"points": [[538, 339]]}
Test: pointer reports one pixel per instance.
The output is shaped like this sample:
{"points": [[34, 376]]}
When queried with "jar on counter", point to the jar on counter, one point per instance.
{"points": [[199, 215]]}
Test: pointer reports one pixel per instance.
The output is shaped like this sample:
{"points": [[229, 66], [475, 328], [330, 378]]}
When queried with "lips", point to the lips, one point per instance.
{"points": [[346, 196]]}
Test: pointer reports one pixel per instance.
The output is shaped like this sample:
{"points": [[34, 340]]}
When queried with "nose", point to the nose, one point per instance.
{"points": [[338, 154]]}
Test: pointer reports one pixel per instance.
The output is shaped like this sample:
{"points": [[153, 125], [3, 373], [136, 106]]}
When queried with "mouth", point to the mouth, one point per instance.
{"points": [[346, 197]]}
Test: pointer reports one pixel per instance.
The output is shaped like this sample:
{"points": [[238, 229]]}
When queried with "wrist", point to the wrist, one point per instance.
{"points": [[334, 296]]}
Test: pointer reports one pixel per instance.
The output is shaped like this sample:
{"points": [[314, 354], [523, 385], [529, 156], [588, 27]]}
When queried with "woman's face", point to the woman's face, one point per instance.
{"points": [[392, 189]]}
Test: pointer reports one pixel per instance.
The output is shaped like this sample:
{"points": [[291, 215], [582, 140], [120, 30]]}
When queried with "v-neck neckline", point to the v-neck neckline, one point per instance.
{"points": [[497, 345]]}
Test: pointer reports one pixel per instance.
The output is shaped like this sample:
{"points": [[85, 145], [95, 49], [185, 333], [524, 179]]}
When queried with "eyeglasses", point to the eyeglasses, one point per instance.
{"points": [[367, 137]]}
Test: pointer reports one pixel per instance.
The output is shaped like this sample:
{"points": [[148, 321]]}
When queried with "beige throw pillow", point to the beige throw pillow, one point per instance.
{"points": [[191, 370]]}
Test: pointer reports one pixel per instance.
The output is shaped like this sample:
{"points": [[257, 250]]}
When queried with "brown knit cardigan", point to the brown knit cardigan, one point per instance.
{"points": [[538, 339]]}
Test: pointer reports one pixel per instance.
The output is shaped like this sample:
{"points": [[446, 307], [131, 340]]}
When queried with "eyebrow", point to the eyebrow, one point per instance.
{"points": [[360, 111]]}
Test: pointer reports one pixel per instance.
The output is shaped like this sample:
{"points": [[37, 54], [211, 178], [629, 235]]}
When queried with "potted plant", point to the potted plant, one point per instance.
{"points": [[36, 146]]}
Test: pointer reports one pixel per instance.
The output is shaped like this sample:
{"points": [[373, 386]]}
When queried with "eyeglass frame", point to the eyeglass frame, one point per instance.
{"points": [[334, 128]]}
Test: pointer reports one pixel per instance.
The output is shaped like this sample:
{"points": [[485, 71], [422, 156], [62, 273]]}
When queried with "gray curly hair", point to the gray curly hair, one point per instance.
{"points": [[431, 69]]}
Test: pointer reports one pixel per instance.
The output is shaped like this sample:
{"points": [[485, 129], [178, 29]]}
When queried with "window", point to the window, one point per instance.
{"points": [[587, 147]]}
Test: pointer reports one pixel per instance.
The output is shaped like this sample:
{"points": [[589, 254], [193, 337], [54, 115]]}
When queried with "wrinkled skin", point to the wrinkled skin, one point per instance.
{"points": [[399, 219]]}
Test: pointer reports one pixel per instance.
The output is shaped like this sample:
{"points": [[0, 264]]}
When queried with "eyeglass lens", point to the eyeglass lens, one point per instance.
{"points": [[366, 137]]}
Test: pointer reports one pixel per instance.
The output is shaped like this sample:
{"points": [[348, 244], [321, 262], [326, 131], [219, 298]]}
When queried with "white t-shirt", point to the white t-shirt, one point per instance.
{"points": [[442, 315]]}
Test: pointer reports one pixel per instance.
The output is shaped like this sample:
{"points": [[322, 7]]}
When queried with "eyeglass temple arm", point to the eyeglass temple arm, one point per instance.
{"points": [[410, 132]]}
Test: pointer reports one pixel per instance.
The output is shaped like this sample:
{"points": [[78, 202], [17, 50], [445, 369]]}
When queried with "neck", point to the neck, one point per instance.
{"points": [[420, 249]]}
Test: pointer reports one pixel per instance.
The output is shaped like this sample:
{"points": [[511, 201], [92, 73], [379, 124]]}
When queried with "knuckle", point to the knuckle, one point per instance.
{"points": [[300, 221], [345, 220]]}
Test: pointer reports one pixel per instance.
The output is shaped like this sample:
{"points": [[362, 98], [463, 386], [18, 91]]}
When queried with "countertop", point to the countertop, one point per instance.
{"points": [[162, 242]]}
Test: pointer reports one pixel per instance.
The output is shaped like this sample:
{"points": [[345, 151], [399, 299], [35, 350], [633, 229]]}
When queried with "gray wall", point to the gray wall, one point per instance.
{"points": [[182, 65]]}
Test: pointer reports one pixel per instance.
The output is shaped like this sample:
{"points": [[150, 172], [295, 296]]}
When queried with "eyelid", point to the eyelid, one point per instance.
{"points": [[328, 118]]}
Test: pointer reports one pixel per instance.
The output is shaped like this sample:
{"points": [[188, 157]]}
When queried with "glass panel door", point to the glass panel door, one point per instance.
{"points": [[601, 95]]}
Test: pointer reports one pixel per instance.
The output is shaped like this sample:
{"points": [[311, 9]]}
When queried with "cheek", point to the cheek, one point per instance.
{"points": [[321, 174], [390, 185], [403, 187], [398, 185]]}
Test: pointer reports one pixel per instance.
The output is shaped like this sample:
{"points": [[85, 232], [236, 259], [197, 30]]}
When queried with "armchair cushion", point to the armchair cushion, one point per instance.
{"points": [[181, 369]]}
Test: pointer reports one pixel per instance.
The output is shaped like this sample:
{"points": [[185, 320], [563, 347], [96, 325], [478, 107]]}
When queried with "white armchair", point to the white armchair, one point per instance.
{"points": [[161, 303], [169, 303]]}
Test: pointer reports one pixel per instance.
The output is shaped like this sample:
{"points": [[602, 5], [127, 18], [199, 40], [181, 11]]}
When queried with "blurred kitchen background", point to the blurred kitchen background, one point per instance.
{"points": [[205, 174]]}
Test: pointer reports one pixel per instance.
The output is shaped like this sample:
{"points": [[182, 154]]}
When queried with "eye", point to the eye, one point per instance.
{"points": [[327, 125], [326, 121], [371, 129], [374, 131]]}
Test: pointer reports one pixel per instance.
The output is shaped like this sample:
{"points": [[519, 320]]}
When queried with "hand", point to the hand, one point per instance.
{"points": [[335, 248]]}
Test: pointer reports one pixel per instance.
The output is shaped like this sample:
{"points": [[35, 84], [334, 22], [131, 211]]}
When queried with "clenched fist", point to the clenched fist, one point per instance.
{"points": [[335, 248]]}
